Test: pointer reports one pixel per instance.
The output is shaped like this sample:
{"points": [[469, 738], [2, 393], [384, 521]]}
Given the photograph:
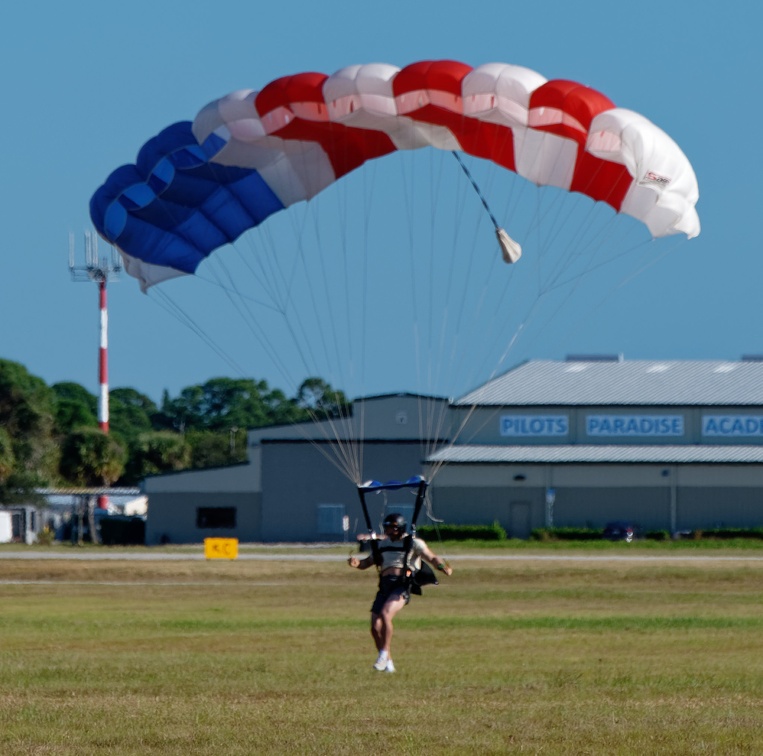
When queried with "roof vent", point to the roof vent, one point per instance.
{"points": [[594, 358]]}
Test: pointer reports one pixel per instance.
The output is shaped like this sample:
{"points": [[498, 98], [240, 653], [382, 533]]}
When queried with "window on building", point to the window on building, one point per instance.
{"points": [[215, 517], [330, 519]]}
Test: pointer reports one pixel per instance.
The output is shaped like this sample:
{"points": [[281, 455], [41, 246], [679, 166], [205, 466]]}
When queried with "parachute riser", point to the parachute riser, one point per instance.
{"points": [[373, 540], [418, 482], [421, 495]]}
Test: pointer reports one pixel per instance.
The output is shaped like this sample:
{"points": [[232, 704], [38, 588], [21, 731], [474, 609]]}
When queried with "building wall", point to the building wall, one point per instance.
{"points": [[173, 517], [658, 497], [240, 478], [289, 484], [396, 416], [297, 478]]}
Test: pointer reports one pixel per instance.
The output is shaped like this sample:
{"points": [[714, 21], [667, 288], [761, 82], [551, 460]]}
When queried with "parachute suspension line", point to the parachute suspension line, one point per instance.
{"points": [[345, 466], [430, 419], [260, 333], [270, 279], [442, 348], [360, 320], [340, 459], [489, 280], [461, 288], [278, 285], [357, 335], [583, 243], [496, 282], [350, 447], [166, 302], [431, 304], [441, 345], [428, 286], [410, 195], [607, 294], [241, 303], [474, 302], [588, 240], [301, 263]]}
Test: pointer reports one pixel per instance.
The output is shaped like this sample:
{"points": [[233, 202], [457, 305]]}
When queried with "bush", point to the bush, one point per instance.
{"points": [[588, 534], [725, 533], [566, 534], [492, 532], [46, 537]]}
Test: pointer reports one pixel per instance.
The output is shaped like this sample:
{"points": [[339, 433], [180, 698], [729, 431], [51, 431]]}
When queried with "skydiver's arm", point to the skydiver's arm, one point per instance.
{"points": [[435, 561], [361, 564]]}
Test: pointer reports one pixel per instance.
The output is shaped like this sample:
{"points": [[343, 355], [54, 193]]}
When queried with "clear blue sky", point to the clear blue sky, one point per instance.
{"points": [[86, 83]]}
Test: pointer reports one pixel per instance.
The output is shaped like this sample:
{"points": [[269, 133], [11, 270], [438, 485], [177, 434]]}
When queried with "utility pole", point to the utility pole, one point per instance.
{"points": [[101, 270]]}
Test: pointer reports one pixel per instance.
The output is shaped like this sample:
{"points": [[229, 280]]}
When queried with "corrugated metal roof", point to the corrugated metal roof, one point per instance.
{"points": [[624, 382], [561, 454]]}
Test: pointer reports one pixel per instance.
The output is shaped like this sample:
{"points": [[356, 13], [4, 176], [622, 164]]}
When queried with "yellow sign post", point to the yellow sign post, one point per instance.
{"points": [[221, 548]]}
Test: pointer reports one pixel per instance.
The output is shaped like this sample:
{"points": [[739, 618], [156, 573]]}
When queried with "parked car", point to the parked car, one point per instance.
{"points": [[621, 530]]}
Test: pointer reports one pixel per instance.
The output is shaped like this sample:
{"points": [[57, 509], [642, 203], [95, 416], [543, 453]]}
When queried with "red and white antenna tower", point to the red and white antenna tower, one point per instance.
{"points": [[101, 270]]}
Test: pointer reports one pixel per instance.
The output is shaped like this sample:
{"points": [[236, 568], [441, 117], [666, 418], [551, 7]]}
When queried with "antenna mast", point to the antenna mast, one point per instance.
{"points": [[101, 270]]}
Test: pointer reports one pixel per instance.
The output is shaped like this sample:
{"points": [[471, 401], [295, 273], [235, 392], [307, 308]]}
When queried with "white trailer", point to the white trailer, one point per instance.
{"points": [[6, 527]]}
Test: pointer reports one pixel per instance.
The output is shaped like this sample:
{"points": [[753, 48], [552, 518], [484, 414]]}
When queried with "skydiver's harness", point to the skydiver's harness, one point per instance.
{"points": [[413, 579]]}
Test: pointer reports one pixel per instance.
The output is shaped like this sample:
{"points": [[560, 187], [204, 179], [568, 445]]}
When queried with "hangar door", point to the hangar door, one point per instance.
{"points": [[519, 519]]}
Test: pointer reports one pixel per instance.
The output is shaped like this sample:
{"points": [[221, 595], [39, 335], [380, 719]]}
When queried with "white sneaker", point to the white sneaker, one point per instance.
{"points": [[390, 666], [381, 662]]}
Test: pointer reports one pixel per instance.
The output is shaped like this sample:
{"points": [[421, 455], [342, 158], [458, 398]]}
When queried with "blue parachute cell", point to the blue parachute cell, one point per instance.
{"points": [[160, 208]]}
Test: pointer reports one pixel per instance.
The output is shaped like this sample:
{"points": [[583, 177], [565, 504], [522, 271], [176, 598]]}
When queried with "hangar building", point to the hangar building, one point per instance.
{"points": [[672, 445]]}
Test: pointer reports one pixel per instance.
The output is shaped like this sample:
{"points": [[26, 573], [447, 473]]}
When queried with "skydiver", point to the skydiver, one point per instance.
{"points": [[395, 553]]}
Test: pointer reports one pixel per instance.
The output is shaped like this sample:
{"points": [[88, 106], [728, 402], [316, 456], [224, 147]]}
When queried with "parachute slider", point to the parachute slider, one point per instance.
{"points": [[511, 251]]}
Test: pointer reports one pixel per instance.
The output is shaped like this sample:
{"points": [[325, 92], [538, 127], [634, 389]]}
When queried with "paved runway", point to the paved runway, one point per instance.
{"points": [[298, 556]]}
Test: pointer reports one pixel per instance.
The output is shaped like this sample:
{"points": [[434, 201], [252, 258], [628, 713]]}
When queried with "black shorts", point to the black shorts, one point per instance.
{"points": [[390, 586]]}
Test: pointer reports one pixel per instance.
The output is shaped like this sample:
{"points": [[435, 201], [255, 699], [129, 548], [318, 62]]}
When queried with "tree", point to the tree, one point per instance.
{"points": [[7, 460], [216, 449], [283, 410], [75, 407], [26, 416], [158, 452], [321, 400], [130, 413], [50, 435], [89, 457], [224, 403]]}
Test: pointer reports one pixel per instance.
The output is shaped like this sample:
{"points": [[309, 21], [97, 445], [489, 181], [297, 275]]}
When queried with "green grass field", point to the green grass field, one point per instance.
{"points": [[557, 655]]}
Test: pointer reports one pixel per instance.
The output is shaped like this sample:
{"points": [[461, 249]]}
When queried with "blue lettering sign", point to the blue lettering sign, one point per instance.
{"points": [[635, 425], [732, 426], [534, 425]]}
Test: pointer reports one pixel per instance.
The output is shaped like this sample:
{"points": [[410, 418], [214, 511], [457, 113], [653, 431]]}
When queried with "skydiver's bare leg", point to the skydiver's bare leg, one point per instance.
{"points": [[390, 609], [376, 631]]}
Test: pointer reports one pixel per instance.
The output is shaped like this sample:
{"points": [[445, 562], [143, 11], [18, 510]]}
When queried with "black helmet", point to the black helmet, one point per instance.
{"points": [[395, 518]]}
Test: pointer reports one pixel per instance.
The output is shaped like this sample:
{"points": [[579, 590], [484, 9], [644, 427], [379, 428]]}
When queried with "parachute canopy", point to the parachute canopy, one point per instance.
{"points": [[198, 186]]}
